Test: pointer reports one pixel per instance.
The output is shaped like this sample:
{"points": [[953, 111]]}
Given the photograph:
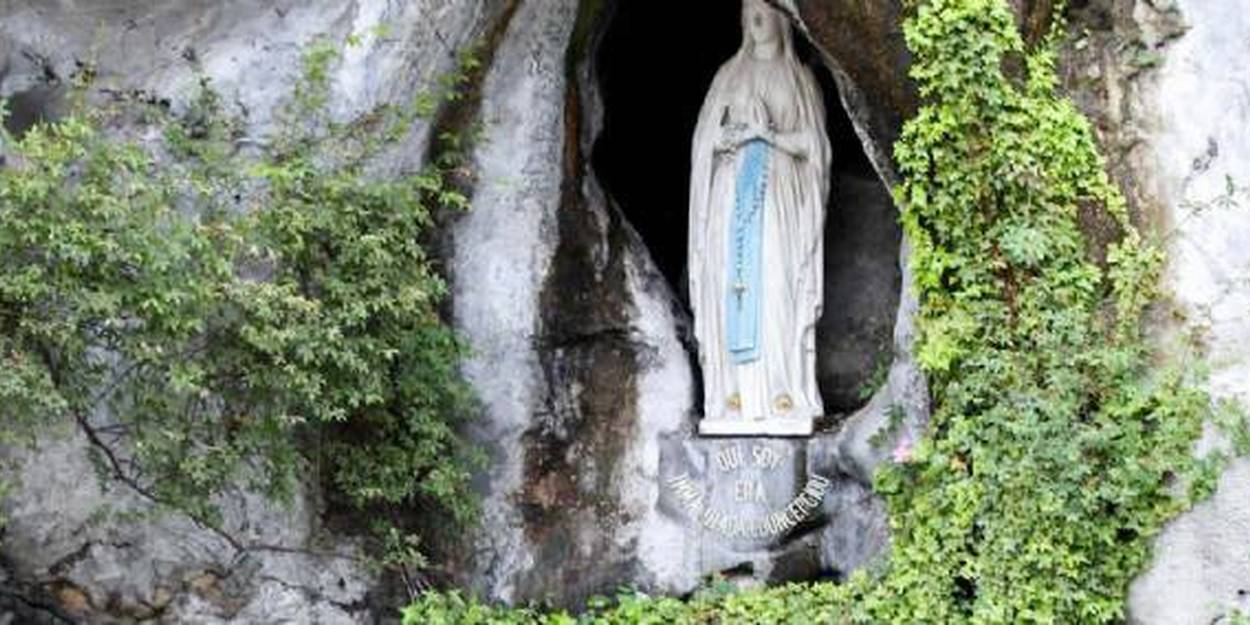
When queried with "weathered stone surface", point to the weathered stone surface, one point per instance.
{"points": [[722, 493], [504, 250], [1194, 166], [66, 561], [251, 49], [588, 389], [863, 44], [862, 287]]}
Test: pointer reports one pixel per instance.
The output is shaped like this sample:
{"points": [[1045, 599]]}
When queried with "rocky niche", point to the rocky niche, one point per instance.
{"points": [[586, 361]]}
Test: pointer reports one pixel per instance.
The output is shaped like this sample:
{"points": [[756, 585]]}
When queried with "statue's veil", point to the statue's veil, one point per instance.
{"points": [[787, 32]]}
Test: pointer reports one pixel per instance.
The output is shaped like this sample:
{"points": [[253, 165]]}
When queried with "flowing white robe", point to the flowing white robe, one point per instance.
{"points": [[777, 393]]}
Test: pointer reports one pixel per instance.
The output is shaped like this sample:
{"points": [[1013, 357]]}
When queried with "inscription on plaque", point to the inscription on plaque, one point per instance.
{"points": [[745, 468]]}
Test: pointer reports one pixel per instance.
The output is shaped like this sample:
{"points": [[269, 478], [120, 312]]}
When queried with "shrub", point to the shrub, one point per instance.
{"points": [[209, 316]]}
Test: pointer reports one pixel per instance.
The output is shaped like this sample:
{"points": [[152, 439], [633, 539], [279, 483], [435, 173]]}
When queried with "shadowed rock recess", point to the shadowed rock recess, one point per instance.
{"points": [[567, 280]]}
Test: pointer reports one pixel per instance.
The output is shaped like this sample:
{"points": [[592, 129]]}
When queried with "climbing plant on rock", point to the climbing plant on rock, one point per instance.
{"points": [[1056, 451]]}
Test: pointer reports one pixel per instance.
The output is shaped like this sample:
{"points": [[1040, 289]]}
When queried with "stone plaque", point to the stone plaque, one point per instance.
{"points": [[750, 492]]}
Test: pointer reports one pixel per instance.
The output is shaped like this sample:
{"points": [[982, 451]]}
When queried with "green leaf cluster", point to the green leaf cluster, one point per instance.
{"points": [[791, 603], [1057, 447], [210, 309]]}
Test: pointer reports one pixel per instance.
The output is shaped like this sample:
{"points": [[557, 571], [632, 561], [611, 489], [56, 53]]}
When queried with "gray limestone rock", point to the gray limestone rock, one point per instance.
{"points": [[588, 387], [77, 550], [1193, 114]]}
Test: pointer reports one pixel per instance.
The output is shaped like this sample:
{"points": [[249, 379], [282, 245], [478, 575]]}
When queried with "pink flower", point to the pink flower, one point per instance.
{"points": [[902, 450]]}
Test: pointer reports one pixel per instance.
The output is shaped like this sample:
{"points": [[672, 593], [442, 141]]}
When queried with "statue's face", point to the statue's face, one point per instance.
{"points": [[763, 22]]}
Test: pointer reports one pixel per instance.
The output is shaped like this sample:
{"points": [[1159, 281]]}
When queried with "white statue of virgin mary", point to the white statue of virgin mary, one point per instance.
{"points": [[759, 183]]}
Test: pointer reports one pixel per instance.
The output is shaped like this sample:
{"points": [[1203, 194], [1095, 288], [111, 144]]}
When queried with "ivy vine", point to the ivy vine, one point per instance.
{"points": [[1057, 448]]}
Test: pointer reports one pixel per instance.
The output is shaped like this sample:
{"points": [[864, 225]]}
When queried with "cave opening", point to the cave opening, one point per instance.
{"points": [[654, 69]]}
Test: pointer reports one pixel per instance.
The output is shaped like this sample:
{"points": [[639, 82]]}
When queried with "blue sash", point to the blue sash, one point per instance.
{"points": [[745, 254]]}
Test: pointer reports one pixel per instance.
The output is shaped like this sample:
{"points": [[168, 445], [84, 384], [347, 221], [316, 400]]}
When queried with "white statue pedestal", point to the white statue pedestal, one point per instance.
{"points": [[757, 428]]}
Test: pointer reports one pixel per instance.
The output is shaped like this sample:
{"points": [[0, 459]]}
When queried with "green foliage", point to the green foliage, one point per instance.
{"points": [[895, 418], [208, 318], [878, 378], [792, 603], [1056, 452], [1054, 448]]}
